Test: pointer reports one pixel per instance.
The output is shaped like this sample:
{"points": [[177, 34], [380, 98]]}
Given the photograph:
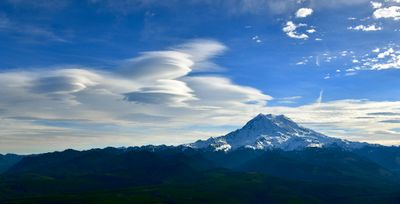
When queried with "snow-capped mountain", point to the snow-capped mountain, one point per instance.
{"points": [[273, 132]]}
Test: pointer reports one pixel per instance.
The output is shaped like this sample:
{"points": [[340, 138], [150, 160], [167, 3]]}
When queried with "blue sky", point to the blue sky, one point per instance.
{"points": [[82, 74]]}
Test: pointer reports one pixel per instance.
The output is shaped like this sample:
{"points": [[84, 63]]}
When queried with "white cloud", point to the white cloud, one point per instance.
{"points": [[256, 39], [150, 66], [290, 30], [387, 57], [388, 12], [303, 12], [290, 27], [302, 62], [386, 53], [367, 28], [359, 120], [200, 52], [206, 88], [376, 5], [288, 100], [312, 30], [80, 104], [320, 97], [163, 91]]}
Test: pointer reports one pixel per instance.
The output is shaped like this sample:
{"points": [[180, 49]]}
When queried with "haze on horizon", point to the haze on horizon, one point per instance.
{"points": [[96, 73]]}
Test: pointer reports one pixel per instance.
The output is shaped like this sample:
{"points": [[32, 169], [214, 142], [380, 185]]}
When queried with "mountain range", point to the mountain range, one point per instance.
{"points": [[271, 159]]}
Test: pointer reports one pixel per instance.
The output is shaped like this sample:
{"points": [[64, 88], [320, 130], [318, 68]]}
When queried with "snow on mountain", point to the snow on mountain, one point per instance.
{"points": [[267, 132]]}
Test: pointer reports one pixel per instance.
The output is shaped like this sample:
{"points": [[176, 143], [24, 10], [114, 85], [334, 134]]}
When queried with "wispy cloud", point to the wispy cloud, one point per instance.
{"points": [[319, 100], [29, 32], [288, 100]]}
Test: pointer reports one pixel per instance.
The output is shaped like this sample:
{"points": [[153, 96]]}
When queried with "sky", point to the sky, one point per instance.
{"points": [[96, 73]]}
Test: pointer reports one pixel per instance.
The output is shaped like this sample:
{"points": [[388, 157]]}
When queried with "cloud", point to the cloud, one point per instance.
{"points": [[33, 32], [311, 30], [376, 5], [378, 58], [40, 4], [64, 81], [200, 51], [386, 53], [159, 72], [290, 30], [288, 100], [256, 39], [150, 66], [336, 4], [82, 103], [385, 58], [229, 94], [319, 100], [388, 12], [303, 12], [391, 121], [358, 120], [231, 7], [384, 114], [367, 28], [163, 91]]}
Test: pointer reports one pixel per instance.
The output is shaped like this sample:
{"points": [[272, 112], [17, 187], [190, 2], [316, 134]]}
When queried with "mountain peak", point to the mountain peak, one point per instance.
{"points": [[268, 131], [263, 117], [270, 122], [270, 117]]}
